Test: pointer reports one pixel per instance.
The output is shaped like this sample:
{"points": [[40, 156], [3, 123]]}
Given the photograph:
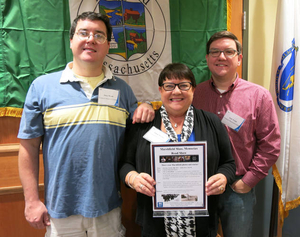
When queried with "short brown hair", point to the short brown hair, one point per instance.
{"points": [[92, 16], [221, 35]]}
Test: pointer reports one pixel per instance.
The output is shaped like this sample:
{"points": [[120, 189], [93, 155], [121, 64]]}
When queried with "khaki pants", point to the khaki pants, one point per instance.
{"points": [[108, 225]]}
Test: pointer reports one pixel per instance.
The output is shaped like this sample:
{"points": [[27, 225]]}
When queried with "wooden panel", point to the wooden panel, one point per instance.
{"points": [[12, 220], [237, 24], [9, 176], [9, 128], [128, 212]]}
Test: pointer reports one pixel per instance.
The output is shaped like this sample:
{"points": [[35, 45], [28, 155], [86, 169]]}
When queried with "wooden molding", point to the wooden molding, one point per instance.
{"points": [[16, 189], [9, 148], [9, 179]]}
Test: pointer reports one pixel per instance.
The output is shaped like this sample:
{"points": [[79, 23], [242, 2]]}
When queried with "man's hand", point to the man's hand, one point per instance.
{"points": [[240, 187], [36, 214], [144, 113], [35, 211]]}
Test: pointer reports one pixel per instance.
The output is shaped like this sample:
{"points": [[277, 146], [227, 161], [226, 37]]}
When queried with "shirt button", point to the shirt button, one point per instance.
{"points": [[219, 112], [221, 96]]}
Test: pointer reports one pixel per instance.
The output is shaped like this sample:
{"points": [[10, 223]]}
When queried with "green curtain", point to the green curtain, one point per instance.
{"points": [[192, 24], [34, 40]]}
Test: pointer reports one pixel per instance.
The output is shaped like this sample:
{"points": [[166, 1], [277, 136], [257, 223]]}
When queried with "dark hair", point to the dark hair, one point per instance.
{"points": [[221, 35], [177, 71], [93, 16]]}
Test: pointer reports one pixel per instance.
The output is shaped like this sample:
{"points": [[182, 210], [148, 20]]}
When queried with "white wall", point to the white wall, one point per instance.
{"points": [[262, 17]]}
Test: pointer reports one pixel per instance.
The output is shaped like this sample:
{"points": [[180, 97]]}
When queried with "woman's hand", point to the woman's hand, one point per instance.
{"points": [[216, 184], [143, 183]]}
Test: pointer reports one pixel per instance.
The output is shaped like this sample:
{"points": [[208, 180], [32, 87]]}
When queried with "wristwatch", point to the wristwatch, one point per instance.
{"points": [[149, 103]]}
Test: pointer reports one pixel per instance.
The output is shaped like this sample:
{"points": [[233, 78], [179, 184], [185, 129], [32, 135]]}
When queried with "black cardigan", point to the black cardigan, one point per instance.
{"points": [[136, 156]]}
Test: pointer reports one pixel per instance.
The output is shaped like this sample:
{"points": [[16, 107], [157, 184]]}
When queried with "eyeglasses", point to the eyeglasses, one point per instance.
{"points": [[184, 86], [228, 53], [98, 37]]}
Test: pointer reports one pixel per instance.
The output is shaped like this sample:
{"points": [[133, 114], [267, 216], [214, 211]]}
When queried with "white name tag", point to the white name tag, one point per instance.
{"points": [[108, 96], [156, 135], [233, 121]]}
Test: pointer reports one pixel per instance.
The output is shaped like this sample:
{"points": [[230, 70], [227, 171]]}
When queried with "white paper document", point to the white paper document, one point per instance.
{"points": [[180, 172]]}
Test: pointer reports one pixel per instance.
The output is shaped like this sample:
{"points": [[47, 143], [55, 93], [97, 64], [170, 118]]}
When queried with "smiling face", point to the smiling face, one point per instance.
{"points": [[88, 51], [177, 101], [221, 67]]}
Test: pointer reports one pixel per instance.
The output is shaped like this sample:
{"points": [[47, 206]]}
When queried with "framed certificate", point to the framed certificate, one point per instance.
{"points": [[180, 172]]}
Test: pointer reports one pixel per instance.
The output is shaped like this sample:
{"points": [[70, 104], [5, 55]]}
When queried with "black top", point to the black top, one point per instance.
{"points": [[136, 156]]}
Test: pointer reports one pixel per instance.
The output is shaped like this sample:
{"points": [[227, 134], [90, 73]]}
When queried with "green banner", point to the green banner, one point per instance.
{"points": [[34, 40], [192, 24]]}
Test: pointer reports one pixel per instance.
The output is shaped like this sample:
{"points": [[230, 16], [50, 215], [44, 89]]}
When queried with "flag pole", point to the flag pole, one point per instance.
{"points": [[274, 211]]}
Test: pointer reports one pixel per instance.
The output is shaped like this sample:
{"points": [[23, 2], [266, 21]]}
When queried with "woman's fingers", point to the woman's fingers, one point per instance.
{"points": [[216, 184], [144, 183]]}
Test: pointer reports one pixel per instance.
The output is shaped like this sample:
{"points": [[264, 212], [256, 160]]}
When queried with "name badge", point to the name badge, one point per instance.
{"points": [[233, 121], [108, 96], [156, 135]]}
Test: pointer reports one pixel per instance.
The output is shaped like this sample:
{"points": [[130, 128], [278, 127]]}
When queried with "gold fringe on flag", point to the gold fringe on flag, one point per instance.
{"points": [[229, 15], [11, 112], [17, 112], [155, 104], [283, 211]]}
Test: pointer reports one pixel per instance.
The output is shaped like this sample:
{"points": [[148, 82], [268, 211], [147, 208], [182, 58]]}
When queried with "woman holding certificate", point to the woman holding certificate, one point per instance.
{"points": [[182, 123]]}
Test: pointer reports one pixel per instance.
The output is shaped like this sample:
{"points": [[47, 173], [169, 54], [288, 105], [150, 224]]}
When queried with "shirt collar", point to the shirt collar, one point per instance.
{"points": [[68, 75], [233, 85]]}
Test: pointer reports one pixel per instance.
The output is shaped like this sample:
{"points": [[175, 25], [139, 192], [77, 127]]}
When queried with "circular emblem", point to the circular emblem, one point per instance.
{"points": [[138, 37], [285, 76]]}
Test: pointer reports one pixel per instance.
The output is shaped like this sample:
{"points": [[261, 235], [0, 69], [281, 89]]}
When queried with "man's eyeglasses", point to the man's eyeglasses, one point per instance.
{"points": [[228, 53], [184, 86], [98, 37]]}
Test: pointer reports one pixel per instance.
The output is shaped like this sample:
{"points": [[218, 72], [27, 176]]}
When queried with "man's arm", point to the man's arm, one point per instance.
{"points": [[35, 211], [267, 143], [144, 113]]}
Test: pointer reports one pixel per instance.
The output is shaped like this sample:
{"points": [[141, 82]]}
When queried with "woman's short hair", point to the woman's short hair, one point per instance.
{"points": [[176, 71], [92, 16]]}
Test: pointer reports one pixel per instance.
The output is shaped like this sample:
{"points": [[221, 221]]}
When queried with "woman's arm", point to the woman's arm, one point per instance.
{"points": [[132, 153]]}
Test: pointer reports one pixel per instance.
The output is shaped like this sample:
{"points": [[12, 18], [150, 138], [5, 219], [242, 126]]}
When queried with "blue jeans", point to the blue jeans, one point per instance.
{"points": [[236, 213]]}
